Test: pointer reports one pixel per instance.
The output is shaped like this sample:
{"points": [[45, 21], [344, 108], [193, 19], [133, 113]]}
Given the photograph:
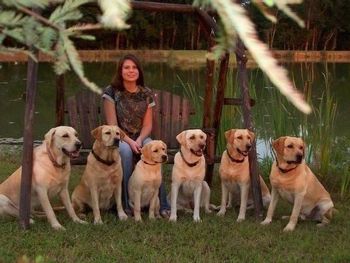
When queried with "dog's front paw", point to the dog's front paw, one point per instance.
{"points": [[58, 226], [78, 220], [240, 219], [138, 219], [172, 218], [221, 213], [197, 219], [266, 222], [208, 211], [290, 227], [98, 221], [123, 216]]}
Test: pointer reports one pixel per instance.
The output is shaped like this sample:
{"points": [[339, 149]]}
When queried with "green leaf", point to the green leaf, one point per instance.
{"points": [[269, 3], [27, 3]]}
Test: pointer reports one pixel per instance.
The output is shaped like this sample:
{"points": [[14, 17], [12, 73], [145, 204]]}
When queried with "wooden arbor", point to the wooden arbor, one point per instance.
{"points": [[211, 115]]}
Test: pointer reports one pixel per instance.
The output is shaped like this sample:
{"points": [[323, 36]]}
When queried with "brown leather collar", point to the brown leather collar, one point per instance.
{"points": [[98, 158], [189, 164], [234, 160], [52, 159], [149, 163], [285, 170]]}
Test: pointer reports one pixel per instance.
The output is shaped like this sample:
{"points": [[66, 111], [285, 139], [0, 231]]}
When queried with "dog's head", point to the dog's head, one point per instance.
{"points": [[108, 135], [154, 152], [240, 140], [64, 139], [289, 149], [193, 140]]}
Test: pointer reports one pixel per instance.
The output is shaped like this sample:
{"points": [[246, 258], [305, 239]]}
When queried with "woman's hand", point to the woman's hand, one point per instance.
{"points": [[135, 146]]}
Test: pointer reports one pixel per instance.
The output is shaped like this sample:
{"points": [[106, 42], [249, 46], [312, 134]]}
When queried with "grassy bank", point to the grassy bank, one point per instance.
{"points": [[216, 239]]}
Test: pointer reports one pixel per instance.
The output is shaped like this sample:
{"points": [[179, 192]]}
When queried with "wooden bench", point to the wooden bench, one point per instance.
{"points": [[171, 114]]}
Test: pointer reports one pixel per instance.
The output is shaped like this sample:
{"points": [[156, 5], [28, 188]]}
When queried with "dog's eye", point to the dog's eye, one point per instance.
{"points": [[76, 134], [156, 150], [192, 137], [239, 137], [301, 147], [290, 146], [108, 133], [65, 135], [117, 133], [201, 136]]}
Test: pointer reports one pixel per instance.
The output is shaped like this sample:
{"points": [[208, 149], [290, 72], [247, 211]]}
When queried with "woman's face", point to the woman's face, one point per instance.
{"points": [[130, 72]]}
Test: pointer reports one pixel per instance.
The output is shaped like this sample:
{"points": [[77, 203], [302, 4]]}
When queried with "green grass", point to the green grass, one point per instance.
{"points": [[216, 239]]}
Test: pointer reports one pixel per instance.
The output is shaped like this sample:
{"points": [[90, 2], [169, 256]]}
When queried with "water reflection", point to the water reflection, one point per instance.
{"points": [[308, 77]]}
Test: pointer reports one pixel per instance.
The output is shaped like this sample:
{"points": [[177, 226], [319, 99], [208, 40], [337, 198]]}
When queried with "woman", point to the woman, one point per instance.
{"points": [[128, 104]]}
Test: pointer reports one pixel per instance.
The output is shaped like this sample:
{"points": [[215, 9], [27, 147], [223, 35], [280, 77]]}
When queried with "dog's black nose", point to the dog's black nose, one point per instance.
{"points": [[299, 158], [78, 145], [116, 142], [164, 158], [248, 146], [202, 146]]}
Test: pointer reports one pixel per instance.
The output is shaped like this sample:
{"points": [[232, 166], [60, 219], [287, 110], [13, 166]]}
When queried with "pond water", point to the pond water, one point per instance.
{"points": [[313, 78]]}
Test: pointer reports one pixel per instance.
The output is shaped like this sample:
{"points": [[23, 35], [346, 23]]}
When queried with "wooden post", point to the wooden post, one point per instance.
{"points": [[246, 107], [60, 100], [27, 157], [219, 103]]}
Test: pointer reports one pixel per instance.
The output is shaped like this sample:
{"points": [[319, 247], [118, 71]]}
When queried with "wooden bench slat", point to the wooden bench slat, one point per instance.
{"points": [[170, 116]]}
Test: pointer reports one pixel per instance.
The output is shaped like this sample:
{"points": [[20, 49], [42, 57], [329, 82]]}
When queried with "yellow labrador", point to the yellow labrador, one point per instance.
{"points": [[145, 181], [293, 180], [103, 175], [51, 171], [188, 188], [234, 171]]}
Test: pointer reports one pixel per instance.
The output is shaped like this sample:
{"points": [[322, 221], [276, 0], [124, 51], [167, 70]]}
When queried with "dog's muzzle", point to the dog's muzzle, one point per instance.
{"points": [[116, 142], [73, 154], [164, 158]]}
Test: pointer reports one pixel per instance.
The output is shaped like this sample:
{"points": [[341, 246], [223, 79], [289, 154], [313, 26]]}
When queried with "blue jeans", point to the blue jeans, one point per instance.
{"points": [[127, 157]]}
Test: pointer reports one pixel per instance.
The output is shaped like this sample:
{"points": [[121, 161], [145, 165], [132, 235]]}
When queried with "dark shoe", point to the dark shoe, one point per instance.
{"points": [[129, 212], [165, 213]]}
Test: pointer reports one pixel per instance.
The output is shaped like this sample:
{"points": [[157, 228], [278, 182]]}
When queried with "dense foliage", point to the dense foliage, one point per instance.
{"points": [[327, 27]]}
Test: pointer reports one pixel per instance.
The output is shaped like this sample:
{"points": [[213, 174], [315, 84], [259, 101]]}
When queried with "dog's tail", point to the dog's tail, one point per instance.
{"points": [[7, 207], [41, 214]]}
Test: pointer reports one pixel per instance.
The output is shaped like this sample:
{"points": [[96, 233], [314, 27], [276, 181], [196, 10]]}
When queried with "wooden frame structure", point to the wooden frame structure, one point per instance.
{"points": [[211, 119]]}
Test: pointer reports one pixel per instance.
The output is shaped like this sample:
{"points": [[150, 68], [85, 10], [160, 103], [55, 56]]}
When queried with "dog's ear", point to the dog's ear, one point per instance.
{"points": [[97, 132], [181, 137], [49, 136], [146, 151], [252, 136], [229, 135], [278, 145]]}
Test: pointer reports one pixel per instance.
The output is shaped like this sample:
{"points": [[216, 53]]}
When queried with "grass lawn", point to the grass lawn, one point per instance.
{"points": [[216, 239]]}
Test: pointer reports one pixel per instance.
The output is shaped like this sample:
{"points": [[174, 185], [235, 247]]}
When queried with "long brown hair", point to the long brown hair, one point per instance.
{"points": [[117, 80]]}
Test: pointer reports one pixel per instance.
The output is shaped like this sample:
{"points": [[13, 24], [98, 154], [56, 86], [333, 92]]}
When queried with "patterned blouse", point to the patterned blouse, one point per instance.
{"points": [[130, 108]]}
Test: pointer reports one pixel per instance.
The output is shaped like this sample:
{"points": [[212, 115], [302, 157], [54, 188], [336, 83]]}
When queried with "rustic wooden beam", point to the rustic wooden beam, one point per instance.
{"points": [[237, 101], [27, 156], [219, 102], [60, 100], [162, 7], [241, 58]]}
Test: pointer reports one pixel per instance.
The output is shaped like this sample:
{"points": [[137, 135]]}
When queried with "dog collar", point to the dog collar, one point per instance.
{"points": [[285, 170], [149, 163], [98, 158], [234, 160], [54, 162], [189, 164]]}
